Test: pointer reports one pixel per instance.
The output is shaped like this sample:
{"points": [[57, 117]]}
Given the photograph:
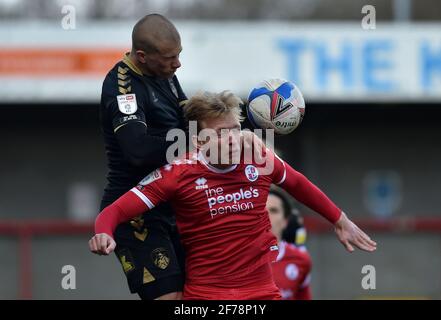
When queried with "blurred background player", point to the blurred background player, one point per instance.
{"points": [[292, 268], [295, 231], [141, 100]]}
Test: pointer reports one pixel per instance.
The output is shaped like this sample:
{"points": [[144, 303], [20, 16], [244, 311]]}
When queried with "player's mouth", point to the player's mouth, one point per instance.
{"points": [[170, 74]]}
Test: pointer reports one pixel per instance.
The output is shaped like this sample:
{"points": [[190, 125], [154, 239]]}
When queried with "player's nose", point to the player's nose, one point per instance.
{"points": [[176, 63]]}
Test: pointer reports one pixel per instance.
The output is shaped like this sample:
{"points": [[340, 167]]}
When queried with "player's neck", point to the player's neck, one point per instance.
{"points": [[138, 65], [220, 167]]}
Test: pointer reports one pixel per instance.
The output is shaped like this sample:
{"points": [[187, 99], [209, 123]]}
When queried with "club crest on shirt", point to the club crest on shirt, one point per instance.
{"points": [[291, 271], [251, 173], [160, 258]]}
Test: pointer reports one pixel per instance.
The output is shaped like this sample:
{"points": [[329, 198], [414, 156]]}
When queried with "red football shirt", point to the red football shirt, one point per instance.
{"points": [[220, 214], [292, 272]]}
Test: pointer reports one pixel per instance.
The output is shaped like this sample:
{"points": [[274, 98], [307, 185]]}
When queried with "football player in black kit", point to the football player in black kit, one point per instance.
{"points": [[141, 100]]}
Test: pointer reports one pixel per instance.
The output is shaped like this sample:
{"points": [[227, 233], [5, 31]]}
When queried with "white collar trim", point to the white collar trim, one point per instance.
{"points": [[202, 159]]}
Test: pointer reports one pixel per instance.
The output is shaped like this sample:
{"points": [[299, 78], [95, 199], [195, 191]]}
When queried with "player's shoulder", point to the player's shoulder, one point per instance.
{"points": [[120, 80], [290, 250], [271, 154], [267, 155], [268, 166], [181, 165], [298, 254], [170, 173]]}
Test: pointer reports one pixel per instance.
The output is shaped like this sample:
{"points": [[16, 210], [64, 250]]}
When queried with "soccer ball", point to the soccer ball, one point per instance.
{"points": [[276, 104]]}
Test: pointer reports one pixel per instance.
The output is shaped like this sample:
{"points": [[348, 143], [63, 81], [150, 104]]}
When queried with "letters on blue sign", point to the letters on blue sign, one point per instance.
{"points": [[372, 64], [374, 60], [292, 48], [341, 64], [430, 64]]}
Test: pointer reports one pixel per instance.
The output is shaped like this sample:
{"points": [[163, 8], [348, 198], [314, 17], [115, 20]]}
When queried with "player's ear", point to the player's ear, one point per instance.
{"points": [[141, 56], [285, 223]]}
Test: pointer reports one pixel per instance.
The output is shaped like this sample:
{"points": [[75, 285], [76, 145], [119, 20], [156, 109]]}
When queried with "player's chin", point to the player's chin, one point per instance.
{"points": [[169, 74]]}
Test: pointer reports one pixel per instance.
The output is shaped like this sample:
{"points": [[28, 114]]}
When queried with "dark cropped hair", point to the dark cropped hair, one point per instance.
{"points": [[294, 231]]}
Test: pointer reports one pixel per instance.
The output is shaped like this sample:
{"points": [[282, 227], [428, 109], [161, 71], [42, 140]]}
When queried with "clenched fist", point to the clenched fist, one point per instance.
{"points": [[102, 244]]}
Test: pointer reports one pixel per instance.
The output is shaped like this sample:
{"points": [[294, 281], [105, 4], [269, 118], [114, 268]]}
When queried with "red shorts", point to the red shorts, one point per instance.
{"points": [[259, 288]]}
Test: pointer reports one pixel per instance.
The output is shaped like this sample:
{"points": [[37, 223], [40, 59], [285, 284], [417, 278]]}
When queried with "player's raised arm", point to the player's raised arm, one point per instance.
{"points": [[139, 145], [134, 138], [310, 195]]}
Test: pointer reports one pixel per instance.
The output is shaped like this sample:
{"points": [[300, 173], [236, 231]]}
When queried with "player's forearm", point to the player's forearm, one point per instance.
{"points": [[127, 207], [141, 148], [154, 155], [310, 195]]}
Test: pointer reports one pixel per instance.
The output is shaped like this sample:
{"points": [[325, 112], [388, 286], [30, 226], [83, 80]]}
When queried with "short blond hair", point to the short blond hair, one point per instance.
{"points": [[208, 105]]}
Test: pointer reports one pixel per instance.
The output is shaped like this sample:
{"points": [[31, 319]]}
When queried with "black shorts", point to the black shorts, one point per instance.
{"points": [[151, 256]]}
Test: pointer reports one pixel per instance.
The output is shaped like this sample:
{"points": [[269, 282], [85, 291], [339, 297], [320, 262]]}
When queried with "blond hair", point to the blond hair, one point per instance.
{"points": [[208, 105]]}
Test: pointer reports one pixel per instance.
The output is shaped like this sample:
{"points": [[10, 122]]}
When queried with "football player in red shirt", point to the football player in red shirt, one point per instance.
{"points": [[221, 206], [292, 268]]}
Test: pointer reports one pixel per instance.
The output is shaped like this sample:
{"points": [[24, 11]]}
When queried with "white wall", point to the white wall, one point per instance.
{"points": [[328, 61]]}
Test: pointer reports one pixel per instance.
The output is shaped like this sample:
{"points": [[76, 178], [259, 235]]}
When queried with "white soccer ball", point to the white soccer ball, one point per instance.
{"points": [[276, 104]]}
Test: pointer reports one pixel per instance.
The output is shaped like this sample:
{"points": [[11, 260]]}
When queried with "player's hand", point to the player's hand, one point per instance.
{"points": [[102, 244], [253, 145], [350, 235]]}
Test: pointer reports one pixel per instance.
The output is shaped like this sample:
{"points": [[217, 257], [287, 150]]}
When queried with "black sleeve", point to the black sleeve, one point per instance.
{"points": [[138, 145], [140, 148]]}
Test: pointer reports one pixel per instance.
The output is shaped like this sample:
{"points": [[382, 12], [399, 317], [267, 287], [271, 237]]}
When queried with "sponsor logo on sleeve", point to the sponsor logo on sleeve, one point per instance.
{"points": [[128, 118], [154, 175], [127, 103]]}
